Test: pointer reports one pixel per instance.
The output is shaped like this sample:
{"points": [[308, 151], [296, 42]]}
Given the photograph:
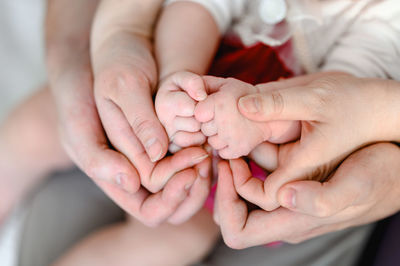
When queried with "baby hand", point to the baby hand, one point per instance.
{"points": [[229, 132], [175, 103]]}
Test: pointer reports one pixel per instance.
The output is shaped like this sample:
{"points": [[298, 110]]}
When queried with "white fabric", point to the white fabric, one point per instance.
{"points": [[359, 37], [223, 11], [22, 66], [21, 71]]}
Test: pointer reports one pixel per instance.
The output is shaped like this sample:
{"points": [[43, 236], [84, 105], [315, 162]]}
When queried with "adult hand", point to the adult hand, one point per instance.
{"points": [[85, 140], [365, 188], [184, 194], [339, 114], [71, 81]]}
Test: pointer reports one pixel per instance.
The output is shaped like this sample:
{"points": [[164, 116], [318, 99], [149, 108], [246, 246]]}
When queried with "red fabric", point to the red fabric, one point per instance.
{"points": [[256, 64]]}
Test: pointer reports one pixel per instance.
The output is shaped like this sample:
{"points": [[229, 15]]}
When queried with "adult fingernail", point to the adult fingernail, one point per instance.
{"points": [[199, 159], [250, 104], [154, 149], [121, 180], [204, 172], [188, 187], [289, 199]]}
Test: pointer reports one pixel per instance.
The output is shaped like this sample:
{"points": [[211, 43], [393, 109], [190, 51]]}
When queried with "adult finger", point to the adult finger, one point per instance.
{"points": [[153, 209], [122, 137], [348, 185], [171, 165], [300, 103], [132, 93], [250, 188], [241, 229], [197, 194], [91, 151], [266, 156], [232, 211]]}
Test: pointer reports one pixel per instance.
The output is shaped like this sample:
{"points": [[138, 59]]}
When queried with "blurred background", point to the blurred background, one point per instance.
{"points": [[21, 71]]}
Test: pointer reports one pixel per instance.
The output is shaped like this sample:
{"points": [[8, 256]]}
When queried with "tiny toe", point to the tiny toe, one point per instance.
{"points": [[216, 142], [189, 124], [173, 148], [204, 111], [209, 128], [183, 104], [227, 154], [187, 139]]}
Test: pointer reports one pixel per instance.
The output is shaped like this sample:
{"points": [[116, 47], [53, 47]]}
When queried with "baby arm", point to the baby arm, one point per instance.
{"points": [[186, 39], [230, 133]]}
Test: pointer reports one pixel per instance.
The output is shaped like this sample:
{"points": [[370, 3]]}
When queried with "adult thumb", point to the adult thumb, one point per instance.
{"points": [[315, 198]]}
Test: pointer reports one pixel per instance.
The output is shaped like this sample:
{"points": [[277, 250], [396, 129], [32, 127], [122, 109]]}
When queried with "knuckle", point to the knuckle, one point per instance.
{"points": [[322, 208], [118, 79], [151, 222], [277, 104], [141, 126], [194, 80], [91, 168], [233, 240], [322, 95]]}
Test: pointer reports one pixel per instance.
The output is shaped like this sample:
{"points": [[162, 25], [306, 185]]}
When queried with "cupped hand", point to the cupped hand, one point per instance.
{"points": [[363, 189], [339, 114], [80, 127], [188, 172]]}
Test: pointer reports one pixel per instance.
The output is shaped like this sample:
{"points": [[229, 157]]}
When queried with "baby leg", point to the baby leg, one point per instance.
{"points": [[131, 243], [29, 148]]}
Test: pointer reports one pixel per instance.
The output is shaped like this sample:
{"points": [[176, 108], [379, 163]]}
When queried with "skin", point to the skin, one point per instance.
{"points": [[124, 80], [175, 104], [323, 103], [230, 133], [363, 189], [129, 165]]}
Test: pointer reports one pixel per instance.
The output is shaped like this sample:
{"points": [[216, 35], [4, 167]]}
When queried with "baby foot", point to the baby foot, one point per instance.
{"points": [[227, 130]]}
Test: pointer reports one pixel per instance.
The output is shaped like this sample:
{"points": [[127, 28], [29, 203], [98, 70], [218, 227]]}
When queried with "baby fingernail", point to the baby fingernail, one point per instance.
{"points": [[154, 150], [201, 95], [250, 104], [199, 159]]}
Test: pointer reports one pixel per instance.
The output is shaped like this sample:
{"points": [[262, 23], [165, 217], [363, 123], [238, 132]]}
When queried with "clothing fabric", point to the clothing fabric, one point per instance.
{"points": [[358, 37], [21, 51]]}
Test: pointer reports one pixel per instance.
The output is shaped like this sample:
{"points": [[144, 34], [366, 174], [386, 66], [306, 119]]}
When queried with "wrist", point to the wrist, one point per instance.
{"points": [[392, 103], [124, 52], [383, 114], [61, 59]]}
